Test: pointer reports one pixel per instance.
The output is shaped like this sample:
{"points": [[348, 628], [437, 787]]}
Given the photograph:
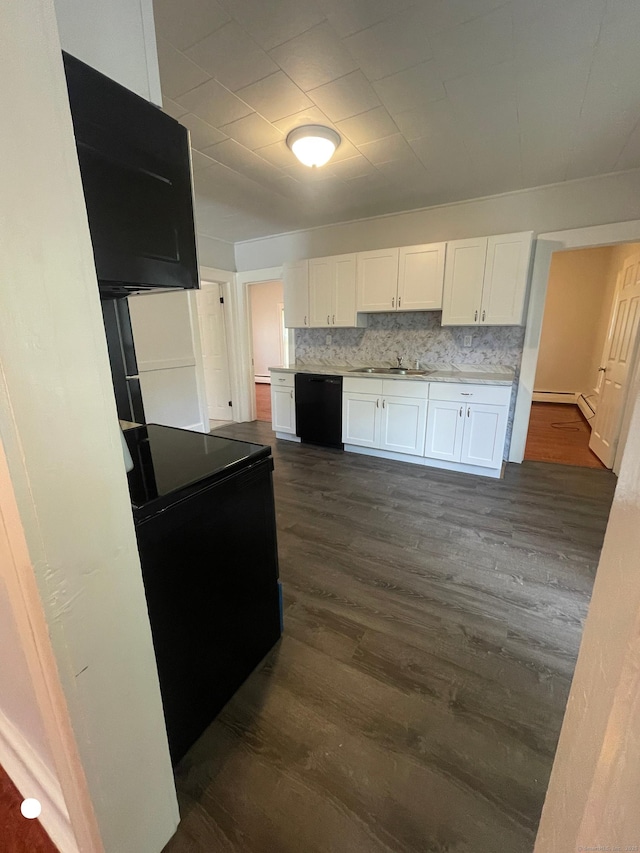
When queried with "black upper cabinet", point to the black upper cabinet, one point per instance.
{"points": [[136, 174]]}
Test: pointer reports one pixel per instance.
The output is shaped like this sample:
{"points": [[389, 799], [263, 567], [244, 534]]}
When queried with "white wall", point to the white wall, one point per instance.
{"points": [[266, 300], [215, 253], [577, 299], [611, 198], [58, 425], [116, 37]]}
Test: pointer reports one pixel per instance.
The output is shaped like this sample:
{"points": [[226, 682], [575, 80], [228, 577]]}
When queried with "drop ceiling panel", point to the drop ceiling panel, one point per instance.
{"points": [[275, 97], [232, 57], [346, 97], [214, 103], [188, 21]]}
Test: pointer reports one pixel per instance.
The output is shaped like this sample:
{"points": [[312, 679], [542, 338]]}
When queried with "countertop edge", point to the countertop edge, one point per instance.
{"points": [[466, 377]]}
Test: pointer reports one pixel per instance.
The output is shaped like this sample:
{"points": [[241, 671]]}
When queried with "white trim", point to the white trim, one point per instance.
{"points": [[32, 778], [546, 245], [285, 436], [226, 280], [167, 363], [478, 470], [199, 427], [555, 397]]}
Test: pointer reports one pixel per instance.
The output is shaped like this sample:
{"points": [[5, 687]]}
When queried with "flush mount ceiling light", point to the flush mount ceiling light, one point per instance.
{"points": [[313, 144]]}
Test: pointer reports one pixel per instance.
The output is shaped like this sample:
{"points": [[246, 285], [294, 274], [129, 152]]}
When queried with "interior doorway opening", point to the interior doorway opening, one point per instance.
{"points": [[215, 355], [268, 339], [588, 349]]}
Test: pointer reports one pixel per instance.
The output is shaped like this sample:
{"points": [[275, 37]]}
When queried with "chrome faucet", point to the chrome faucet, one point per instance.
{"points": [[399, 360]]}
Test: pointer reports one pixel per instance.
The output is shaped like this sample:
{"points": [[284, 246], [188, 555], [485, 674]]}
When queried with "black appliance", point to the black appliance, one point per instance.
{"points": [[135, 163], [122, 358], [319, 409], [205, 522]]}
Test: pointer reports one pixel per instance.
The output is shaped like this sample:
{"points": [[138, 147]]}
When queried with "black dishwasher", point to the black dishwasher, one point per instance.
{"points": [[319, 409]]}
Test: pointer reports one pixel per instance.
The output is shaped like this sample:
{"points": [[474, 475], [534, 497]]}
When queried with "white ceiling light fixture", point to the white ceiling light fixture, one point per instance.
{"points": [[313, 144]]}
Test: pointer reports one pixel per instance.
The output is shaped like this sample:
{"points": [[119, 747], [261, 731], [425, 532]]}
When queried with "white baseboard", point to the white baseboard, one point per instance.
{"points": [[33, 778], [261, 379], [287, 436], [555, 397], [494, 473]]}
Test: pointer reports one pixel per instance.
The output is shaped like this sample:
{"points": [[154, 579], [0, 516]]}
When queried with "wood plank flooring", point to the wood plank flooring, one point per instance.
{"points": [[558, 432], [263, 401], [17, 834], [413, 705]]}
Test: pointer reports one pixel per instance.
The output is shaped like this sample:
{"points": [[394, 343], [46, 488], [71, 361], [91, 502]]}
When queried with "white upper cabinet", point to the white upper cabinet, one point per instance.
{"points": [[378, 280], [332, 291], [296, 294], [421, 277], [485, 280]]}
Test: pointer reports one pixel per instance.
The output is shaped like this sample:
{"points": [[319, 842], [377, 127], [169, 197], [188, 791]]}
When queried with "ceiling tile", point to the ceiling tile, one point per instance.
{"points": [[202, 134], [253, 131], [312, 115], [384, 150], [314, 58], [232, 57], [346, 97], [351, 16], [392, 45], [215, 104], [275, 97], [411, 88], [445, 14], [558, 31], [352, 167], [485, 103], [187, 21], [271, 24], [200, 161], [434, 127], [172, 108], [475, 45], [621, 18], [369, 126], [277, 154], [177, 73], [230, 153]]}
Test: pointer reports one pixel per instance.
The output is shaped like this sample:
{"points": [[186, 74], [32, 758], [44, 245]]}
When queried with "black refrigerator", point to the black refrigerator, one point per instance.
{"points": [[122, 357], [204, 516]]}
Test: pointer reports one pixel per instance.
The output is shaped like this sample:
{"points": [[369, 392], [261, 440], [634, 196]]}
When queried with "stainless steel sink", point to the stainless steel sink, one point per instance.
{"points": [[391, 371]]}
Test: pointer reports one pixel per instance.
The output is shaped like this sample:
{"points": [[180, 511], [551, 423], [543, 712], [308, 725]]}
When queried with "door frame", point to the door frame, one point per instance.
{"points": [[225, 279], [545, 245]]}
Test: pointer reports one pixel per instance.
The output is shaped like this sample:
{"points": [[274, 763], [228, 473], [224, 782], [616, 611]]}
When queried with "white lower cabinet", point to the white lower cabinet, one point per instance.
{"points": [[283, 403], [484, 433], [444, 430], [403, 424], [361, 419]]}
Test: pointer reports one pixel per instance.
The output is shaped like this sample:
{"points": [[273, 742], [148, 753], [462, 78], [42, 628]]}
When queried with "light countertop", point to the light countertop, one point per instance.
{"points": [[480, 375]]}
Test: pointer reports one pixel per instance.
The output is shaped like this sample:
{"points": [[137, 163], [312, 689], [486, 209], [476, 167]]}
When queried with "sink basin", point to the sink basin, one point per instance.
{"points": [[391, 371]]}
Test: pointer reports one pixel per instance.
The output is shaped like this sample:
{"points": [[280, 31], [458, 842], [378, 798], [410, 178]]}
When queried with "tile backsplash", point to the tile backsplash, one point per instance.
{"points": [[416, 335]]}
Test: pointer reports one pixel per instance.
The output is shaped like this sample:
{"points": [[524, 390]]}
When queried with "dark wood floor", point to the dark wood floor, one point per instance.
{"points": [[558, 432], [263, 401], [17, 834], [432, 625]]}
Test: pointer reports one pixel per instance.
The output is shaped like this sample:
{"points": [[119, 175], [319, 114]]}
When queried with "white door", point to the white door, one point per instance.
{"points": [[377, 280], [421, 277], [463, 280], [344, 291], [484, 432], [404, 421], [361, 419], [505, 279], [444, 430], [619, 355], [283, 410], [295, 278], [214, 351], [320, 291]]}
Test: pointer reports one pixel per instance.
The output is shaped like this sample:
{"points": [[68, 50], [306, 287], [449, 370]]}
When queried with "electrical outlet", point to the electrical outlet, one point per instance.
{"points": [[468, 340], [328, 340]]}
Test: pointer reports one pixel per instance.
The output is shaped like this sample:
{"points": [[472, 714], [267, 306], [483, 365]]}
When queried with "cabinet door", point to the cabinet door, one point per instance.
{"points": [[360, 419], [296, 294], [283, 410], [377, 280], [505, 279], [484, 432], [320, 291], [404, 421], [344, 291], [421, 277], [445, 422], [463, 279]]}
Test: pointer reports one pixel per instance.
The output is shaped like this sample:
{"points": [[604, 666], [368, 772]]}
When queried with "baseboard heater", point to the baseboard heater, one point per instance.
{"points": [[587, 405], [555, 397]]}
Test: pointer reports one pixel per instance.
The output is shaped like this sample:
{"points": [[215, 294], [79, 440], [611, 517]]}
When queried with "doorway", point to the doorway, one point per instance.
{"points": [[589, 330], [266, 309], [215, 357]]}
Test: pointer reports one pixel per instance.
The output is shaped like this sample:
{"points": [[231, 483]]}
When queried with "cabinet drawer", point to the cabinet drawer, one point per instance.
{"points": [[461, 392], [405, 388], [282, 380], [362, 385]]}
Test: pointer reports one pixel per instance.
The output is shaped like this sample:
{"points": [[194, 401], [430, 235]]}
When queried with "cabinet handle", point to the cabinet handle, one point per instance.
{"points": [[399, 300], [328, 323], [393, 302], [461, 411], [383, 404], [333, 320], [466, 394], [305, 319], [291, 393], [475, 319], [468, 411], [377, 402], [483, 313]]}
